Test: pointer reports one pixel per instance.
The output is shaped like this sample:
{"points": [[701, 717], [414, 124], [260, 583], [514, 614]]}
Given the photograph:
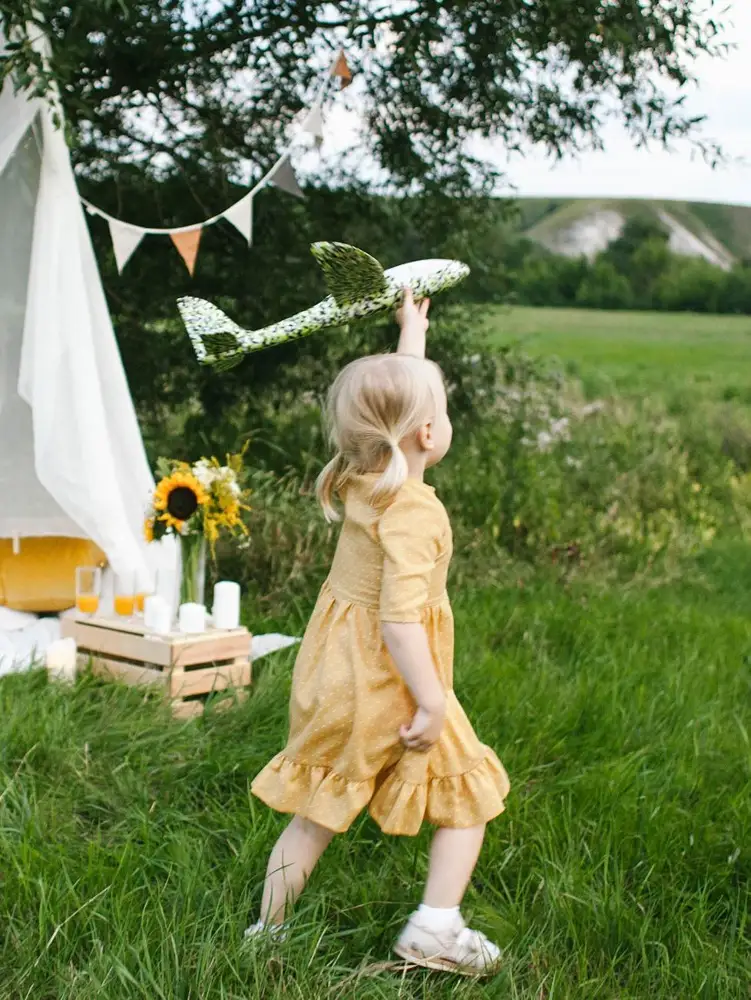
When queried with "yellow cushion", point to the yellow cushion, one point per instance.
{"points": [[42, 577]]}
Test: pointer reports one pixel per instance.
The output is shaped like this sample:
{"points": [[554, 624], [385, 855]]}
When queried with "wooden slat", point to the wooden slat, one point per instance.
{"points": [[145, 649], [224, 704], [211, 635], [210, 648], [129, 641], [193, 709], [133, 626], [126, 673], [187, 709], [190, 682]]}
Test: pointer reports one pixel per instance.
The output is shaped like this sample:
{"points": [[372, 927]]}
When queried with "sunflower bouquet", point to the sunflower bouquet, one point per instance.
{"points": [[197, 503]]}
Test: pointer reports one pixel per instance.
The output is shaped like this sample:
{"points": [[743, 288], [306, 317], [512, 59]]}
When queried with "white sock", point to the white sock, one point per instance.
{"points": [[437, 918]]}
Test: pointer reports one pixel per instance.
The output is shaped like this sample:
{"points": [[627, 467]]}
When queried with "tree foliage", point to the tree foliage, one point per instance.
{"points": [[168, 101], [199, 86], [637, 271]]}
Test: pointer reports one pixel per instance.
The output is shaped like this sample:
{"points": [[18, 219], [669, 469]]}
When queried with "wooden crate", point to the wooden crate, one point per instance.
{"points": [[186, 668]]}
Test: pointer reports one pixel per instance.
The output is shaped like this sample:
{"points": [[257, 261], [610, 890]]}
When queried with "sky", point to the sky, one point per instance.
{"points": [[723, 95]]}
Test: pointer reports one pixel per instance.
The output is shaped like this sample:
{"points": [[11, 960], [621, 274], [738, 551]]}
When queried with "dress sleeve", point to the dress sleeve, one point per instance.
{"points": [[409, 537]]}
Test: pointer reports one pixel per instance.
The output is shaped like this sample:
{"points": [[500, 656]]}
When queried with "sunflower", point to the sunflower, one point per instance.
{"points": [[178, 497], [148, 529]]}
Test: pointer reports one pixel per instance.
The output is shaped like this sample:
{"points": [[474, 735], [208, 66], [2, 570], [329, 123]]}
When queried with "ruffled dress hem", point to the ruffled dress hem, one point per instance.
{"points": [[313, 792], [399, 807]]}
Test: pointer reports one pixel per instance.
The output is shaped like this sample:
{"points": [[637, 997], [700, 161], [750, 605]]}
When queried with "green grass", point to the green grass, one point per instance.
{"points": [[131, 852], [708, 357]]}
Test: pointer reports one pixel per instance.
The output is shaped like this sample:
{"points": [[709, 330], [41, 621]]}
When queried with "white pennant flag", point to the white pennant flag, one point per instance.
{"points": [[125, 239], [284, 178], [241, 216], [314, 124]]}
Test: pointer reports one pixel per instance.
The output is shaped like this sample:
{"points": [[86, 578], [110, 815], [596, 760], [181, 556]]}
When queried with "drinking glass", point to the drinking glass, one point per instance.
{"points": [[125, 594], [145, 587], [88, 589]]}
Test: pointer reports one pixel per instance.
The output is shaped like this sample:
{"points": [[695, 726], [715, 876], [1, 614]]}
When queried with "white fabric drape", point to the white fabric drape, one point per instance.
{"points": [[72, 460]]}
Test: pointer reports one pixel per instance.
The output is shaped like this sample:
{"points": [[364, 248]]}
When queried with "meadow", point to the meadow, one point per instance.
{"points": [[132, 853], [669, 354]]}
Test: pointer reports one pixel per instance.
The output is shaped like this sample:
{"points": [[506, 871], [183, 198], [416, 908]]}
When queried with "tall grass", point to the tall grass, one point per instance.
{"points": [[132, 852]]}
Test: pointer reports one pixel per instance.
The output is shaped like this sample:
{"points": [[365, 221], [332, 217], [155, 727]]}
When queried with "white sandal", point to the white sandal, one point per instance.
{"points": [[456, 949], [259, 931]]}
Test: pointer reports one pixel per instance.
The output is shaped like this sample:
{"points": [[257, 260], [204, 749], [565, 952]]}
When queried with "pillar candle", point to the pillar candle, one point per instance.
{"points": [[192, 618], [61, 660], [226, 610]]}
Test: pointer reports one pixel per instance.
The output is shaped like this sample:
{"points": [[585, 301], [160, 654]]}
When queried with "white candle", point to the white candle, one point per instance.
{"points": [[61, 660], [156, 615], [226, 610], [192, 618]]}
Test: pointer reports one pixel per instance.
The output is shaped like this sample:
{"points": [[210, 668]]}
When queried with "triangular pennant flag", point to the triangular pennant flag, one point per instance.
{"points": [[342, 70], [284, 178], [241, 216], [314, 124], [187, 246], [125, 239]]}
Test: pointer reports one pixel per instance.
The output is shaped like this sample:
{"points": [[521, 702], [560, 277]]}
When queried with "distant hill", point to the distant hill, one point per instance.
{"points": [[575, 226]]}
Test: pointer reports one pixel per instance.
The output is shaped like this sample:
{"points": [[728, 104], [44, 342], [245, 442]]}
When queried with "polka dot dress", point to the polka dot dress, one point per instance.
{"points": [[349, 700]]}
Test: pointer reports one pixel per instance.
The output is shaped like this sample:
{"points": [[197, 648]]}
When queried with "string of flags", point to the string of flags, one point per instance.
{"points": [[127, 237]]}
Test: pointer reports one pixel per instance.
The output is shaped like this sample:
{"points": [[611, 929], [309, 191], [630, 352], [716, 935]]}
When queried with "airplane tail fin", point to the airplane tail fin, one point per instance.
{"points": [[213, 334]]}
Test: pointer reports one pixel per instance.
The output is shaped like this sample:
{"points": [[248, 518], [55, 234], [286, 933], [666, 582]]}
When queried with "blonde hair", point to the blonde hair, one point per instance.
{"points": [[373, 405]]}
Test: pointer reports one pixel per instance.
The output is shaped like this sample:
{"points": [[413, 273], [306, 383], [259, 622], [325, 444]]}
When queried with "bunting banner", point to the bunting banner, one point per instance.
{"points": [[187, 246], [127, 237], [241, 216], [125, 240], [342, 70], [283, 177], [313, 124]]}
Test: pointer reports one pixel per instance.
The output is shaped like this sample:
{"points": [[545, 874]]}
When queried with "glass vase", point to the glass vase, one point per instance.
{"points": [[192, 569]]}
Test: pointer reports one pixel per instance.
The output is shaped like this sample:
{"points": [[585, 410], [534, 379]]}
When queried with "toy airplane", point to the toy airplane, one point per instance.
{"points": [[358, 284]]}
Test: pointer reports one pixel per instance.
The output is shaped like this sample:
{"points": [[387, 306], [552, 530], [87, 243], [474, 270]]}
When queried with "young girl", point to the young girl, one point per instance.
{"points": [[374, 720]]}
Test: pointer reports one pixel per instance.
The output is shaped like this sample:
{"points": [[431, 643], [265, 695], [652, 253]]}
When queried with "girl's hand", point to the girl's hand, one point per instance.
{"points": [[413, 315], [424, 730]]}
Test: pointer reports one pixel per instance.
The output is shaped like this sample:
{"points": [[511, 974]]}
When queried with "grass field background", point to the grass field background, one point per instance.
{"points": [[637, 352], [131, 852]]}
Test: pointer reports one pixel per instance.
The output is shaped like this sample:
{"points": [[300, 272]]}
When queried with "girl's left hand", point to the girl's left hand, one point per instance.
{"points": [[424, 730], [413, 314]]}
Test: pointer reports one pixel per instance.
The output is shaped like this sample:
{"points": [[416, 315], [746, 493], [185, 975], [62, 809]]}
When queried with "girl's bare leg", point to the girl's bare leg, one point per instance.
{"points": [[293, 858], [436, 936], [453, 856]]}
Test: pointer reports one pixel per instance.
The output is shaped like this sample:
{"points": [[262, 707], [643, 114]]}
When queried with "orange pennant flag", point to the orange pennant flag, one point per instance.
{"points": [[187, 247], [342, 70]]}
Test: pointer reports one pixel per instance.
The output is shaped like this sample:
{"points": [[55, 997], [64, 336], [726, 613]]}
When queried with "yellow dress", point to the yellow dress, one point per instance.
{"points": [[348, 699]]}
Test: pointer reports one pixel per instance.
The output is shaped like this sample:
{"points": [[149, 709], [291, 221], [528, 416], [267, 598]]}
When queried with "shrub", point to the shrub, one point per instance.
{"points": [[538, 479]]}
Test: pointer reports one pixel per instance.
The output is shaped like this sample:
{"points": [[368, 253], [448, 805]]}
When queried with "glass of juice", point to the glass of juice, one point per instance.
{"points": [[88, 589], [125, 595], [145, 587]]}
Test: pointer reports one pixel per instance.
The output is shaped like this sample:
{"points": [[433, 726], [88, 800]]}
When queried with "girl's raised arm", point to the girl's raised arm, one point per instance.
{"points": [[413, 319]]}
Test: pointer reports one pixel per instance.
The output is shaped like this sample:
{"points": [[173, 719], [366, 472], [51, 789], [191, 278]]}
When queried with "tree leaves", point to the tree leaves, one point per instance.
{"points": [[163, 83]]}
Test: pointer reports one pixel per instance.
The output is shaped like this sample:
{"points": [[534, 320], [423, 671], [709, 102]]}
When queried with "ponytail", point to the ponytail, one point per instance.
{"points": [[331, 480], [394, 476]]}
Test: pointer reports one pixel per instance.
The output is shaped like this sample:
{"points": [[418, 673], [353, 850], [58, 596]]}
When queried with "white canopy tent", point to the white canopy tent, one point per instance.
{"points": [[72, 461]]}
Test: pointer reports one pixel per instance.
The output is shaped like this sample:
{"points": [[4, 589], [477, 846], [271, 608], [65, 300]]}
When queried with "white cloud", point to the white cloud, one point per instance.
{"points": [[723, 95]]}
